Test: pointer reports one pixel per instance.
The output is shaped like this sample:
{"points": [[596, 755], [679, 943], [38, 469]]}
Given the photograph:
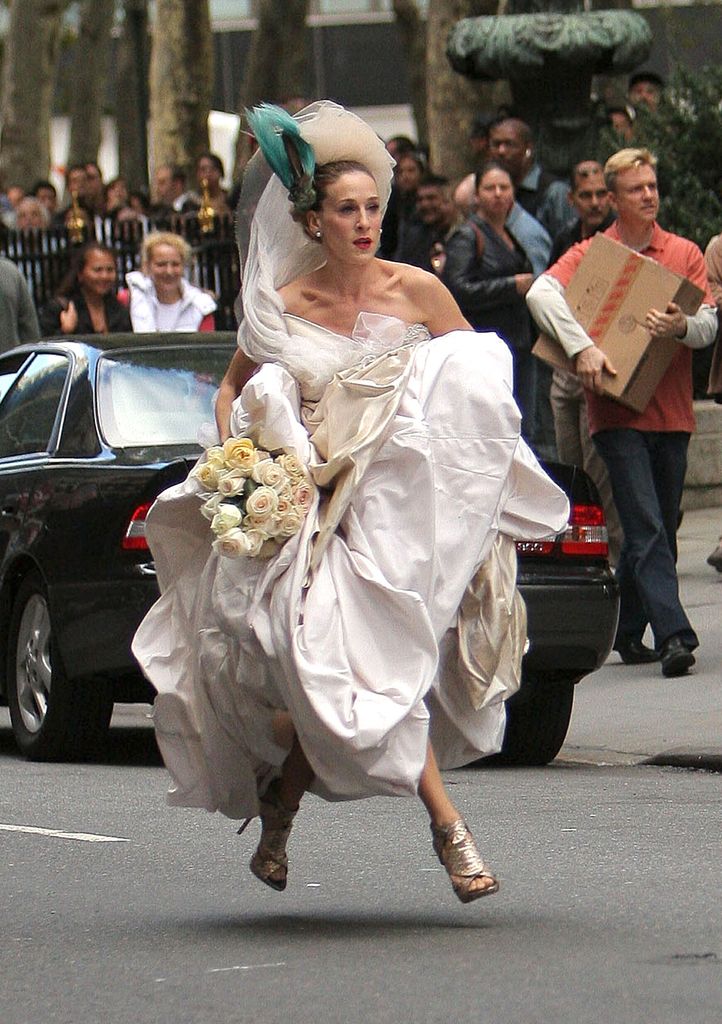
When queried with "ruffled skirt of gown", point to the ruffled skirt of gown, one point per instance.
{"points": [[392, 616]]}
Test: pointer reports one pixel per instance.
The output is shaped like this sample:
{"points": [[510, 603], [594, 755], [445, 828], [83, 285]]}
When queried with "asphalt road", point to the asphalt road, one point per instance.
{"points": [[609, 911]]}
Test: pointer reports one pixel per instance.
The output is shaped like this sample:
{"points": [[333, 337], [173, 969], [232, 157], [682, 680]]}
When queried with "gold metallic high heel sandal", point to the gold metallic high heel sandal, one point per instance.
{"points": [[270, 857], [455, 847]]}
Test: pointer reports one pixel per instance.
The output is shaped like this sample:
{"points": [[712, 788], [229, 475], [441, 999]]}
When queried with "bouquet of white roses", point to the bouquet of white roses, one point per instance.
{"points": [[255, 500]]}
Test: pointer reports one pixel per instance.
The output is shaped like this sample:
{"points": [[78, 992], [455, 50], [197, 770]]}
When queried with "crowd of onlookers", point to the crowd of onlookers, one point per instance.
{"points": [[87, 197], [488, 236]]}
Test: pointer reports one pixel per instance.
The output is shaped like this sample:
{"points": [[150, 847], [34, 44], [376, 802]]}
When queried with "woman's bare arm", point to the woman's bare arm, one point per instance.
{"points": [[240, 370]]}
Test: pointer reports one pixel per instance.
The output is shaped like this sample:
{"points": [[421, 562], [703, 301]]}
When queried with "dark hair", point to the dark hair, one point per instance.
{"points": [[42, 183], [480, 126], [430, 180], [324, 176], [646, 76], [488, 165], [418, 158], [577, 172], [178, 174], [523, 129], [73, 167], [214, 159], [141, 197], [70, 282], [403, 143]]}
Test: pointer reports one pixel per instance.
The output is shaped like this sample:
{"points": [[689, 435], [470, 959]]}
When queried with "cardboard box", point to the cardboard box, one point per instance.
{"points": [[611, 291]]}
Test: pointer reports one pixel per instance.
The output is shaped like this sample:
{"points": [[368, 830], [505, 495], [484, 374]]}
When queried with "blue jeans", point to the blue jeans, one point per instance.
{"points": [[646, 471]]}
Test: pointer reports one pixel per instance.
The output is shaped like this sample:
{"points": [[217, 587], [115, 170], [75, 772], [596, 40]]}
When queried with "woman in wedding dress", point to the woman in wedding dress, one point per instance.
{"points": [[382, 640]]}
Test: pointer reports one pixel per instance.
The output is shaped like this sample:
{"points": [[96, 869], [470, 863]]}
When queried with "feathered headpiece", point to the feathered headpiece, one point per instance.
{"points": [[286, 152]]}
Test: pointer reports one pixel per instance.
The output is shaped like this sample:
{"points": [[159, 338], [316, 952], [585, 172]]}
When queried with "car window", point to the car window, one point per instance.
{"points": [[9, 370], [158, 396], [29, 409]]}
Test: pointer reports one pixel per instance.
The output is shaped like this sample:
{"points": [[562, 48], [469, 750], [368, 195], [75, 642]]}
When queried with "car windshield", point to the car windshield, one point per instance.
{"points": [[158, 396]]}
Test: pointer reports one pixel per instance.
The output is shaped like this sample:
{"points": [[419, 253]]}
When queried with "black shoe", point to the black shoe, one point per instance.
{"points": [[634, 652], [675, 657], [715, 559]]}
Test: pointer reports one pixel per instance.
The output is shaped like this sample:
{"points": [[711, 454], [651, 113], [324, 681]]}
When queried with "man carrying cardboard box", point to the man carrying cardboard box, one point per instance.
{"points": [[645, 452]]}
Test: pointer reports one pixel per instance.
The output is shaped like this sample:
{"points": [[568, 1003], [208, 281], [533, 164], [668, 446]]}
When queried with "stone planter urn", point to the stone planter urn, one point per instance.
{"points": [[549, 53]]}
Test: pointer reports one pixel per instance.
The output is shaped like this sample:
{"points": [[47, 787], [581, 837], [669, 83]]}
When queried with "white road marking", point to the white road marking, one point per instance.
{"points": [[82, 837], [243, 967]]}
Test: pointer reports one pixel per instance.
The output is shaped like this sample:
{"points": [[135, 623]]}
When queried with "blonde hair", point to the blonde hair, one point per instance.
{"points": [[625, 160], [156, 238]]}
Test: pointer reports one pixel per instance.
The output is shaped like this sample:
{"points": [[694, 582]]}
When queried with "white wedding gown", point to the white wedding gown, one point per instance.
{"points": [[393, 615]]}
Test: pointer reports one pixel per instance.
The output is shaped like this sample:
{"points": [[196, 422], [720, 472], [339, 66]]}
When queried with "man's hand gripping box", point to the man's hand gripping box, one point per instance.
{"points": [[611, 291]]}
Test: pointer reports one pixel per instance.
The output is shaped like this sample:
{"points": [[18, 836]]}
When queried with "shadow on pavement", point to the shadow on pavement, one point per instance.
{"points": [[131, 746]]}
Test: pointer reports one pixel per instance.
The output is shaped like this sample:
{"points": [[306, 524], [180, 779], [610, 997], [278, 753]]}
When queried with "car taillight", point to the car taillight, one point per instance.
{"points": [[134, 539], [586, 533]]}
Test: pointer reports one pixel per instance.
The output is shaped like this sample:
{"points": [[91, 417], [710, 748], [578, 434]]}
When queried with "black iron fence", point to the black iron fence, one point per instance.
{"points": [[43, 255]]}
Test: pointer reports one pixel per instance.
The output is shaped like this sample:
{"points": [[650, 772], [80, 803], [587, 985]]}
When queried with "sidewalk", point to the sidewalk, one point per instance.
{"points": [[626, 714]]}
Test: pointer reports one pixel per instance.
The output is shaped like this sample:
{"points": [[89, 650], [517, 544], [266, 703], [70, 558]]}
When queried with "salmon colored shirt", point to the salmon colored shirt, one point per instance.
{"points": [[670, 408]]}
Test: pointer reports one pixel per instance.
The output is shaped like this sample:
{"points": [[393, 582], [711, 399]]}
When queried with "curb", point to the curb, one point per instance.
{"points": [[705, 759]]}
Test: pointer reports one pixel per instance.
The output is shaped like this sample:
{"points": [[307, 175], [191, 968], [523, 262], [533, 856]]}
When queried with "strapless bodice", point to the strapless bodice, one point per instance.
{"points": [[329, 353]]}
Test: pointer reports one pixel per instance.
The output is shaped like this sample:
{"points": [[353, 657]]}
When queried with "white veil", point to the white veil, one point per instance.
{"points": [[275, 249]]}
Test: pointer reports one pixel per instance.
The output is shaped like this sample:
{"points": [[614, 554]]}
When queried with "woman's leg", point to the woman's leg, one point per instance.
{"points": [[296, 777], [278, 807], [433, 792], [453, 842]]}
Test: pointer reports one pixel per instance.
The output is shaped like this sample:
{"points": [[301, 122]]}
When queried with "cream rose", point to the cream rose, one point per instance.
{"points": [[227, 517], [231, 483], [263, 502], [206, 473], [240, 453], [233, 544], [262, 523], [210, 507], [215, 455], [269, 474], [303, 494], [291, 465], [290, 524]]}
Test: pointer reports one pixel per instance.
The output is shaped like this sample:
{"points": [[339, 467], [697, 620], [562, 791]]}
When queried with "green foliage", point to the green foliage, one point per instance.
{"points": [[685, 134]]}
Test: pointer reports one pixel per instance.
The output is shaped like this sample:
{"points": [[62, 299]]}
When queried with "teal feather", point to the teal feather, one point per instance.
{"points": [[286, 151]]}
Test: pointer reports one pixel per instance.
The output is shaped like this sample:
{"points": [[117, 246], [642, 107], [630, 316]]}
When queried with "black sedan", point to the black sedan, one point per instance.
{"points": [[91, 431], [572, 602]]}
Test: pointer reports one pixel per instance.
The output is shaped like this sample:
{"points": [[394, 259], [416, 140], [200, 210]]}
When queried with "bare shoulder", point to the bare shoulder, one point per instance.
{"points": [[291, 294], [434, 303]]}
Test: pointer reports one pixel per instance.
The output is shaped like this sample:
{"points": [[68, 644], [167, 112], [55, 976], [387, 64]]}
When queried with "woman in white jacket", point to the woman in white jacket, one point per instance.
{"points": [[161, 299]]}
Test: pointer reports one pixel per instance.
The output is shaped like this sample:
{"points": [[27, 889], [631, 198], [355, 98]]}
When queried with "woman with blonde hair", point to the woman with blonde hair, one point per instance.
{"points": [[161, 298]]}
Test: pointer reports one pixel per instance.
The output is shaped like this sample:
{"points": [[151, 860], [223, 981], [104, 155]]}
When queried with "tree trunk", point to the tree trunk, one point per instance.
{"points": [[453, 101], [131, 112], [89, 74], [277, 62], [413, 37], [181, 77], [32, 46]]}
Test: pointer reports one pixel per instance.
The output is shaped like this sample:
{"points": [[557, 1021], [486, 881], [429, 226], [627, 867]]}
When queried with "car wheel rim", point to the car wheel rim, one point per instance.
{"points": [[32, 665]]}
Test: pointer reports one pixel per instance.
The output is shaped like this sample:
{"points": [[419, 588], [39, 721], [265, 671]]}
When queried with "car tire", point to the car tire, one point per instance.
{"points": [[53, 718], [537, 720]]}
